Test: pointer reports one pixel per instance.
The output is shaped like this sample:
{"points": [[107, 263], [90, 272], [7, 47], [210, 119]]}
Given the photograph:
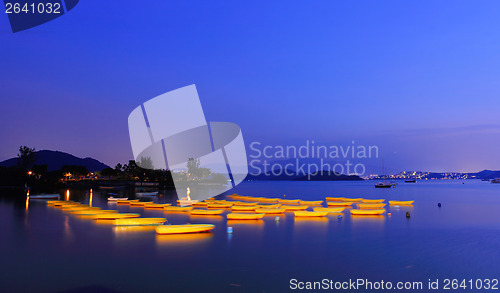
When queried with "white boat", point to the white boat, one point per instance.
{"points": [[44, 196], [117, 198]]}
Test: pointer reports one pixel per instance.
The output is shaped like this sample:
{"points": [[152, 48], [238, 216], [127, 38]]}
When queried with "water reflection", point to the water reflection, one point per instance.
{"points": [[304, 221], [373, 221], [27, 200], [183, 239], [132, 229], [90, 198], [68, 233]]}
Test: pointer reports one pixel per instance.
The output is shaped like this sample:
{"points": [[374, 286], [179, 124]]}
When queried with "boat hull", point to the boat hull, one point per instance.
{"points": [[241, 216], [368, 212], [114, 216], [401, 202], [270, 211], [139, 221], [183, 229], [205, 212], [309, 214], [373, 206], [329, 210], [339, 204]]}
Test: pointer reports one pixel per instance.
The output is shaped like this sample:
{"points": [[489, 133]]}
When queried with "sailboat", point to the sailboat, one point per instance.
{"points": [[384, 184]]}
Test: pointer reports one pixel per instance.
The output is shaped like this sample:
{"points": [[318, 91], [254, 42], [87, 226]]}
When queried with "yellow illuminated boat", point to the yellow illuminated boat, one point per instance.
{"points": [[183, 229], [334, 198], [294, 208], [311, 202], [268, 206], [371, 205], [290, 201], [269, 211], [157, 205], [206, 212], [140, 203], [367, 212], [139, 221], [241, 216], [80, 207], [239, 203], [219, 205], [177, 209], [126, 201], [330, 210], [53, 202], [401, 202], [353, 199], [113, 216], [310, 214], [76, 210], [339, 203], [93, 212], [243, 208], [66, 204], [266, 199], [373, 200]]}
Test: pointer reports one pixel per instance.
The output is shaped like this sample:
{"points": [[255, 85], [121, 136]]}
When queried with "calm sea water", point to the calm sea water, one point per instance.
{"points": [[46, 250]]}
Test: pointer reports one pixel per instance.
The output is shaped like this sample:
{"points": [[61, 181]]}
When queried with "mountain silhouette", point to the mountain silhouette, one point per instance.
{"points": [[55, 160]]}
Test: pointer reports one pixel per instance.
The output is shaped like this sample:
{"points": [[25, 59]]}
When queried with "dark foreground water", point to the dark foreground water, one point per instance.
{"points": [[46, 250]]}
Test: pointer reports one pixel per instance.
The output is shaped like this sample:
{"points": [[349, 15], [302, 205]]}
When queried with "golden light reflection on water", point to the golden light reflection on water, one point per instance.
{"points": [[27, 200], [132, 229], [311, 220], [183, 239], [106, 222], [359, 220], [68, 234]]}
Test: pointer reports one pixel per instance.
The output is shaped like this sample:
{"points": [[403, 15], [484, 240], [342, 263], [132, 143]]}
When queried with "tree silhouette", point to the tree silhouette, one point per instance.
{"points": [[26, 157]]}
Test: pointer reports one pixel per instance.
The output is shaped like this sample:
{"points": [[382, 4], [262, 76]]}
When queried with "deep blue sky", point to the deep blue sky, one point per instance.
{"points": [[420, 79]]}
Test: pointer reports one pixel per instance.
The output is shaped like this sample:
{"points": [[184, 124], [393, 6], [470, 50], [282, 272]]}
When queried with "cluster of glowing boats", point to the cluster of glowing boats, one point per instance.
{"points": [[335, 205], [133, 219], [241, 208]]}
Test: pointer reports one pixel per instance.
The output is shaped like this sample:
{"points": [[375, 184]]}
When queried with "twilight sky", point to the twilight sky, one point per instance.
{"points": [[419, 79]]}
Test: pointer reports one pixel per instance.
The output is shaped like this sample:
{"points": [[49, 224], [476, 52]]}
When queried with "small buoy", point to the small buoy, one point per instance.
{"points": [[340, 216], [439, 204], [229, 230], [277, 219], [407, 214], [388, 214]]}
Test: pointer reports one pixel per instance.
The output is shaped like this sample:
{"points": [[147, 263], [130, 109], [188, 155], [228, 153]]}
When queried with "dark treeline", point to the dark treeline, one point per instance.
{"points": [[37, 177]]}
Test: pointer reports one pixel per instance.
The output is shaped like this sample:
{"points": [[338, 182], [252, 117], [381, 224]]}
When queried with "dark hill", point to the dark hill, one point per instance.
{"points": [[55, 160]]}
